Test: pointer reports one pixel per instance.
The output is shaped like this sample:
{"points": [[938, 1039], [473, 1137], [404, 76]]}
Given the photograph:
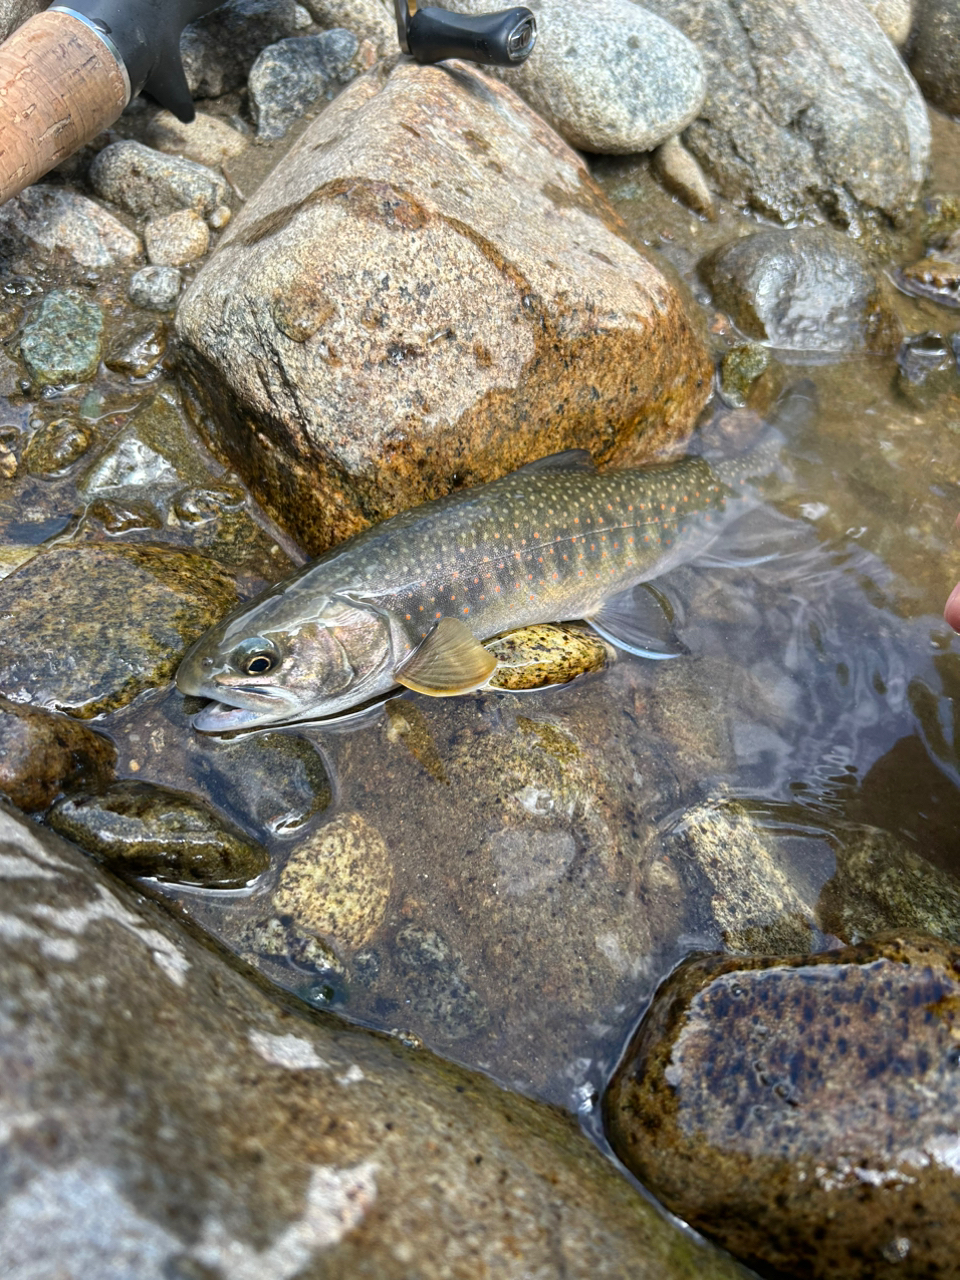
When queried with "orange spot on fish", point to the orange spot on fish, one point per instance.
{"points": [[438, 615], [466, 608]]}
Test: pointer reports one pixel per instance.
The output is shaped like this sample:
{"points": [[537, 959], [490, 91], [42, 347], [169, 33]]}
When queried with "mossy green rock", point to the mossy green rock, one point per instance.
{"points": [[882, 884], [805, 1113], [139, 829], [129, 613], [63, 343]]}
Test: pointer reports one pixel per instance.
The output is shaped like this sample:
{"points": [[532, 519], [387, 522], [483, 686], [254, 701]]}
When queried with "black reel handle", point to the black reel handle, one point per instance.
{"points": [[503, 39]]}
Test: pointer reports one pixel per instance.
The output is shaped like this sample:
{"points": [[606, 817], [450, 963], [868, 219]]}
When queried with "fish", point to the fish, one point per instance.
{"points": [[410, 601]]}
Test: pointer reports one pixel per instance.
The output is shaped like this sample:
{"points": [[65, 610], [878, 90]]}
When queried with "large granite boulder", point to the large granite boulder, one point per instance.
{"points": [[161, 1117], [430, 291], [810, 111]]}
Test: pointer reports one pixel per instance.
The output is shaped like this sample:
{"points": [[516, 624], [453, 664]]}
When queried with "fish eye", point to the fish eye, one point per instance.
{"points": [[256, 656]]}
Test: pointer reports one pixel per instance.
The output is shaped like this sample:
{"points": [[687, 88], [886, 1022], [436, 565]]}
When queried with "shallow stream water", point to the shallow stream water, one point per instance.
{"points": [[538, 872]]}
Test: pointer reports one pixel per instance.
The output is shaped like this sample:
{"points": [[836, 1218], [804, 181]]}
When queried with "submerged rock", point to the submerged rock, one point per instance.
{"points": [[806, 290], [810, 111], [128, 612], [274, 782], [55, 446], [769, 1105], [42, 755], [293, 76], [63, 342], [290, 1144], [337, 882], [755, 903], [881, 884], [139, 829], [609, 77], [927, 368], [53, 221], [399, 329]]}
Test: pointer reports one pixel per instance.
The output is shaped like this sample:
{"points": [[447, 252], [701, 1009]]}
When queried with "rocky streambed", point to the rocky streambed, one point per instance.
{"points": [[391, 997]]}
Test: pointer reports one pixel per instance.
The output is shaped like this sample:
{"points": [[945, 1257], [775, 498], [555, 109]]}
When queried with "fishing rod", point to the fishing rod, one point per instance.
{"points": [[68, 73]]}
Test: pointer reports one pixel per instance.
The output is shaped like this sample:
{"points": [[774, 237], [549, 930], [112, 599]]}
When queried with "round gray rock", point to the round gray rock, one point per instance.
{"points": [[803, 291], [290, 77], [609, 76], [156, 288], [219, 49], [935, 52], [148, 183]]}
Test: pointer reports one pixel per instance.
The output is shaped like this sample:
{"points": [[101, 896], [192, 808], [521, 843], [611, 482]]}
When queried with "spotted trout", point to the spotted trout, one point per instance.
{"points": [[411, 600]]}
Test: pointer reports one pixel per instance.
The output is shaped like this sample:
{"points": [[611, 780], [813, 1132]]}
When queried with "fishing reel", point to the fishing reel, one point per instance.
{"points": [[502, 39]]}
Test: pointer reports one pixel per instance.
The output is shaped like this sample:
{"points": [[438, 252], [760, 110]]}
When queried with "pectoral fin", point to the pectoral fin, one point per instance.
{"points": [[636, 620], [450, 659]]}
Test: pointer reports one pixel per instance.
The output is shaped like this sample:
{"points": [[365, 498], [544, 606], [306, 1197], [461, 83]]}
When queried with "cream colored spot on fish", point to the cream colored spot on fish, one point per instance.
{"points": [[290, 1051]]}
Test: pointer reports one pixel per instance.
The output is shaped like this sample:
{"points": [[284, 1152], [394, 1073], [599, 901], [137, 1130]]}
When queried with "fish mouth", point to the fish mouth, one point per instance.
{"points": [[250, 708], [218, 717]]}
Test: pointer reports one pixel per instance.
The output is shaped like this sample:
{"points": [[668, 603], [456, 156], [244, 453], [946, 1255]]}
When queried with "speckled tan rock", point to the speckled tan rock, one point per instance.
{"points": [[430, 291], [805, 1112], [337, 883], [176, 239]]}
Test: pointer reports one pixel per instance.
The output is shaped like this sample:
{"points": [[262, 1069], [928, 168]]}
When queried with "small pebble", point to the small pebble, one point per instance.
{"points": [[156, 288], [176, 239], [62, 344]]}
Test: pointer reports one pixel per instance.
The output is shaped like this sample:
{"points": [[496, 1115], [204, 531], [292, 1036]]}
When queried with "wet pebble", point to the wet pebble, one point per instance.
{"points": [[55, 446], [148, 183], [937, 275], [156, 288], [682, 176], [647, 93], [292, 76], [881, 884], [934, 53], [42, 755], [129, 612], [140, 829], [52, 220], [138, 352], [767, 1104], [63, 342], [337, 882], [534, 657], [176, 239], [807, 289]]}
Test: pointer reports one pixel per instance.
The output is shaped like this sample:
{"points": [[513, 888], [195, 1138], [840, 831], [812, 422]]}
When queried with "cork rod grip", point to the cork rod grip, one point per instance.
{"points": [[59, 87]]}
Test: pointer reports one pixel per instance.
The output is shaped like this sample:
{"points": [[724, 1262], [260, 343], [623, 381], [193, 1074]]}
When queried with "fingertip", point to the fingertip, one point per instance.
{"points": [[952, 611]]}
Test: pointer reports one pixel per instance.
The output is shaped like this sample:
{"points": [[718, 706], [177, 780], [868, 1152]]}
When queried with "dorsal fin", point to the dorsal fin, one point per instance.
{"points": [[449, 659], [568, 460]]}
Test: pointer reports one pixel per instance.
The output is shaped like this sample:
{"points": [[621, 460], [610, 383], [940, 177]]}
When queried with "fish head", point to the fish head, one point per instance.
{"points": [[276, 660]]}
